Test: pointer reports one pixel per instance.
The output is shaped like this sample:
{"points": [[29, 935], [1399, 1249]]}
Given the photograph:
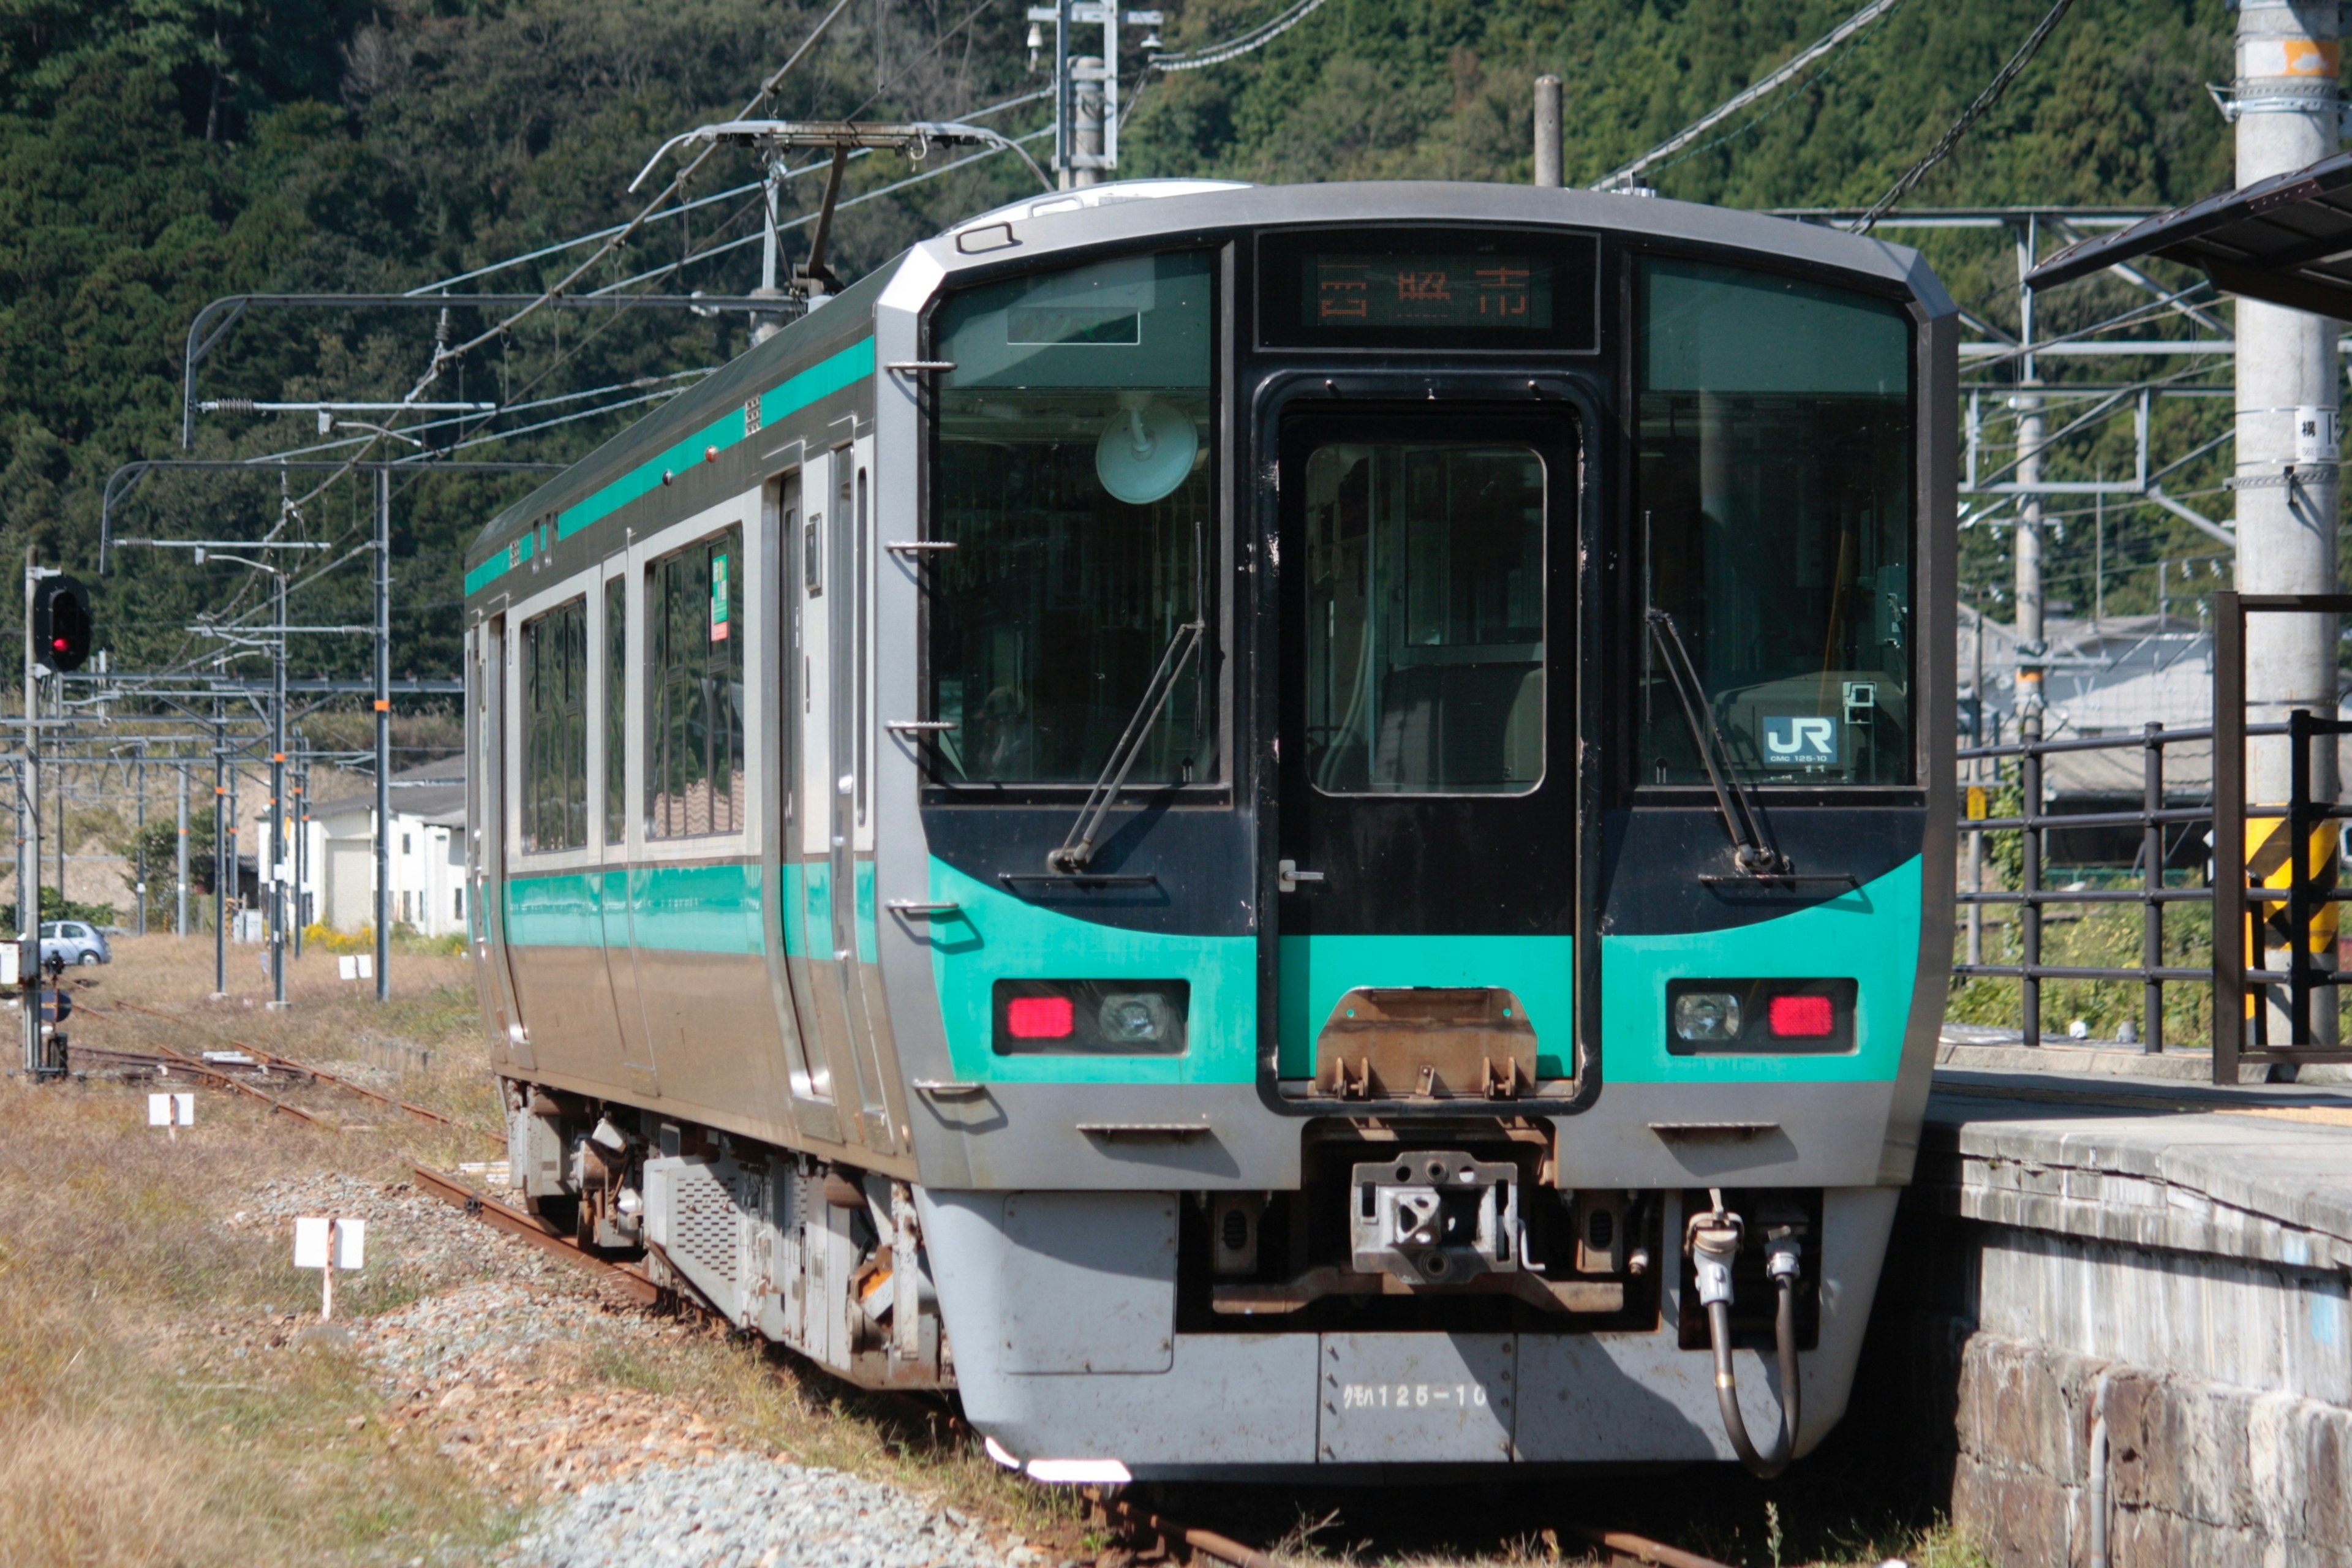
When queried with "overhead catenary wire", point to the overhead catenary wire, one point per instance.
{"points": [[1969, 116], [444, 354], [1730, 106], [1240, 43]]}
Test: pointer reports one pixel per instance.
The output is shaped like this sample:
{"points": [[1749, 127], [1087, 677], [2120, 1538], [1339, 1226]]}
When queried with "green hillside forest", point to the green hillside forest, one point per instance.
{"points": [[154, 156]]}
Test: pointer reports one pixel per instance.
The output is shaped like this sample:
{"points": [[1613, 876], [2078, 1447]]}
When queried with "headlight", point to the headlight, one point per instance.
{"points": [[1769, 1016], [1137, 1018], [1709, 1018], [1090, 1017]]}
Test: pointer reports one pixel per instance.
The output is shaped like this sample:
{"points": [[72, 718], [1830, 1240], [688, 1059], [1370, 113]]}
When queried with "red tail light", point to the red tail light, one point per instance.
{"points": [[1802, 1017], [1040, 1018]]}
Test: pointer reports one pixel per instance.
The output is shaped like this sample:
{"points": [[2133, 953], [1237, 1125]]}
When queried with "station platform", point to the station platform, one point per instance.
{"points": [[2097, 1239]]}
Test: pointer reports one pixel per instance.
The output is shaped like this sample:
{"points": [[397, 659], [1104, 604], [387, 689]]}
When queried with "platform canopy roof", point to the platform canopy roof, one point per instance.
{"points": [[2286, 239]]}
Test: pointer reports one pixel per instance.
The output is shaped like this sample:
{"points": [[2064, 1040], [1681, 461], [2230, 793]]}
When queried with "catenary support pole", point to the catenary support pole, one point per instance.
{"points": [[301, 815], [139, 872], [383, 735], [275, 872], [235, 849], [1548, 154], [2287, 401], [180, 863], [220, 848], [2030, 648], [28, 848], [1087, 94]]}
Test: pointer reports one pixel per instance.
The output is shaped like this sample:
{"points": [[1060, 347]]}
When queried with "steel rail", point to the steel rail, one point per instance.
{"points": [[632, 1282], [288, 1064], [1223, 1548], [1624, 1544]]}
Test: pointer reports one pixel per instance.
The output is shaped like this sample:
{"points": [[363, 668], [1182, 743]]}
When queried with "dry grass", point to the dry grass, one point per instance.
{"points": [[143, 1427], [150, 1422]]}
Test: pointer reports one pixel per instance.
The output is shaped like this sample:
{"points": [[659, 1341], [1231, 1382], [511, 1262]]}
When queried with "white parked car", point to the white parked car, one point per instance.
{"points": [[74, 942]]}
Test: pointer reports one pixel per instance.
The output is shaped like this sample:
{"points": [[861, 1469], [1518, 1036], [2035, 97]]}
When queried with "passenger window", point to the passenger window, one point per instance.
{"points": [[1077, 457], [616, 713], [555, 729], [1425, 618], [694, 691]]}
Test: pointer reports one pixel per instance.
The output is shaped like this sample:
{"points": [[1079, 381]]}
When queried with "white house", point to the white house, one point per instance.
{"points": [[428, 853]]}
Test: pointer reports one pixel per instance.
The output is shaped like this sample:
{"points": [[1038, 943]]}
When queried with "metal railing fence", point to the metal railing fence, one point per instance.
{"points": [[2281, 912]]}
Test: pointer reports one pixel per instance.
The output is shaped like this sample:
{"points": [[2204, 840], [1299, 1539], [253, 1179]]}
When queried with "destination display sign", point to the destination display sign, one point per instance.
{"points": [[1471, 292], [1429, 288]]}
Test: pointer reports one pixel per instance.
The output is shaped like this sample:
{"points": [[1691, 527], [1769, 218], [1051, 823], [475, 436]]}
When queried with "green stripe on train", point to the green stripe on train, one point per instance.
{"points": [[674, 908], [822, 380], [683, 909], [517, 551]]}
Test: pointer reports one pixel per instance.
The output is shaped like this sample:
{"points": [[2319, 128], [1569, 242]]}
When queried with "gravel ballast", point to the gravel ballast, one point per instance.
{"points": [[740, 1511]]}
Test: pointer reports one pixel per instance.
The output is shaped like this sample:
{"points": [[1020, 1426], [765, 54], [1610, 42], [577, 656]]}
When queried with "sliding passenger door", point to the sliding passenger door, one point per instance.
{"points": [[619, 700], [836, 786], [798, 1018], [486, 679]]}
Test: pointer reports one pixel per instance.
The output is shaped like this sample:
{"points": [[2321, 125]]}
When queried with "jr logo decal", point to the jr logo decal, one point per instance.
{"points": [[1801, 741]]}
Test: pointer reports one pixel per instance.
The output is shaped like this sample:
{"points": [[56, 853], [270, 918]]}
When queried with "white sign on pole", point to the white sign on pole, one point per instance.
{"points": [[367, 966], [170, 1110], [347, 967], [327, 1244]]}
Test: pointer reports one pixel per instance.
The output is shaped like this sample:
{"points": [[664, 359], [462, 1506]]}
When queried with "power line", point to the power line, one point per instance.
{"points": [[1968, 116], [1739, 101], [1240, 43]]}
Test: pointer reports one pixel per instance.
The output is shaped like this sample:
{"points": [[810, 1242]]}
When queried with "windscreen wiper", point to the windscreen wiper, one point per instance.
{"points": [[1078, 848], [1752, 850]]}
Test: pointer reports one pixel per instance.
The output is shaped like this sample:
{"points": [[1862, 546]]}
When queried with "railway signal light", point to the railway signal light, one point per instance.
{"points": [[61, 624]]}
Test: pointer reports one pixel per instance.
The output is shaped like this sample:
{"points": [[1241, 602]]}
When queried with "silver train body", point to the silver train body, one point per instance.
{"points": [[1141, 816]]}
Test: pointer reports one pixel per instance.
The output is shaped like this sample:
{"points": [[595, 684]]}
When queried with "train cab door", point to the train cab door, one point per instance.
{"points": [[837, 739], [1428, 738], [487, 837]]}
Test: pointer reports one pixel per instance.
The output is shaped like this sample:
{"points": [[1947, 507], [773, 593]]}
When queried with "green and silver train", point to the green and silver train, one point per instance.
{"points": [[1270, 830]]}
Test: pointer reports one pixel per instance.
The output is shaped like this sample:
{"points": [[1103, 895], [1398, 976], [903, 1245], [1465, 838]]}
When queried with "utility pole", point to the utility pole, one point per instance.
{"points": [[2287, 104], [28, 848], [275, 869], [1085, 87], [1087, 97], [383, 735], [2030, 437], [236, 856], [138, 769], [1548, 153], [301, 838], [179, 868], [220, 847]]}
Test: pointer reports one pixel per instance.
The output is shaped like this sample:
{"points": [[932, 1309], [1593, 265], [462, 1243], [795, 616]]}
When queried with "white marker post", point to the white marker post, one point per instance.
{"points": [[172, 1112], [327, 1244]]}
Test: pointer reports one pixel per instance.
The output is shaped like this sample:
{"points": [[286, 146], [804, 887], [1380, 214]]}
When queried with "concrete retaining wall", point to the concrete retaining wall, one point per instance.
{"points": [[2197, 1264]]}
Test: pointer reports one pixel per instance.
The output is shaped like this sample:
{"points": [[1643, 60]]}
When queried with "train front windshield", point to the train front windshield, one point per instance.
{"points": [[1770, 520], [1774, 504]]}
